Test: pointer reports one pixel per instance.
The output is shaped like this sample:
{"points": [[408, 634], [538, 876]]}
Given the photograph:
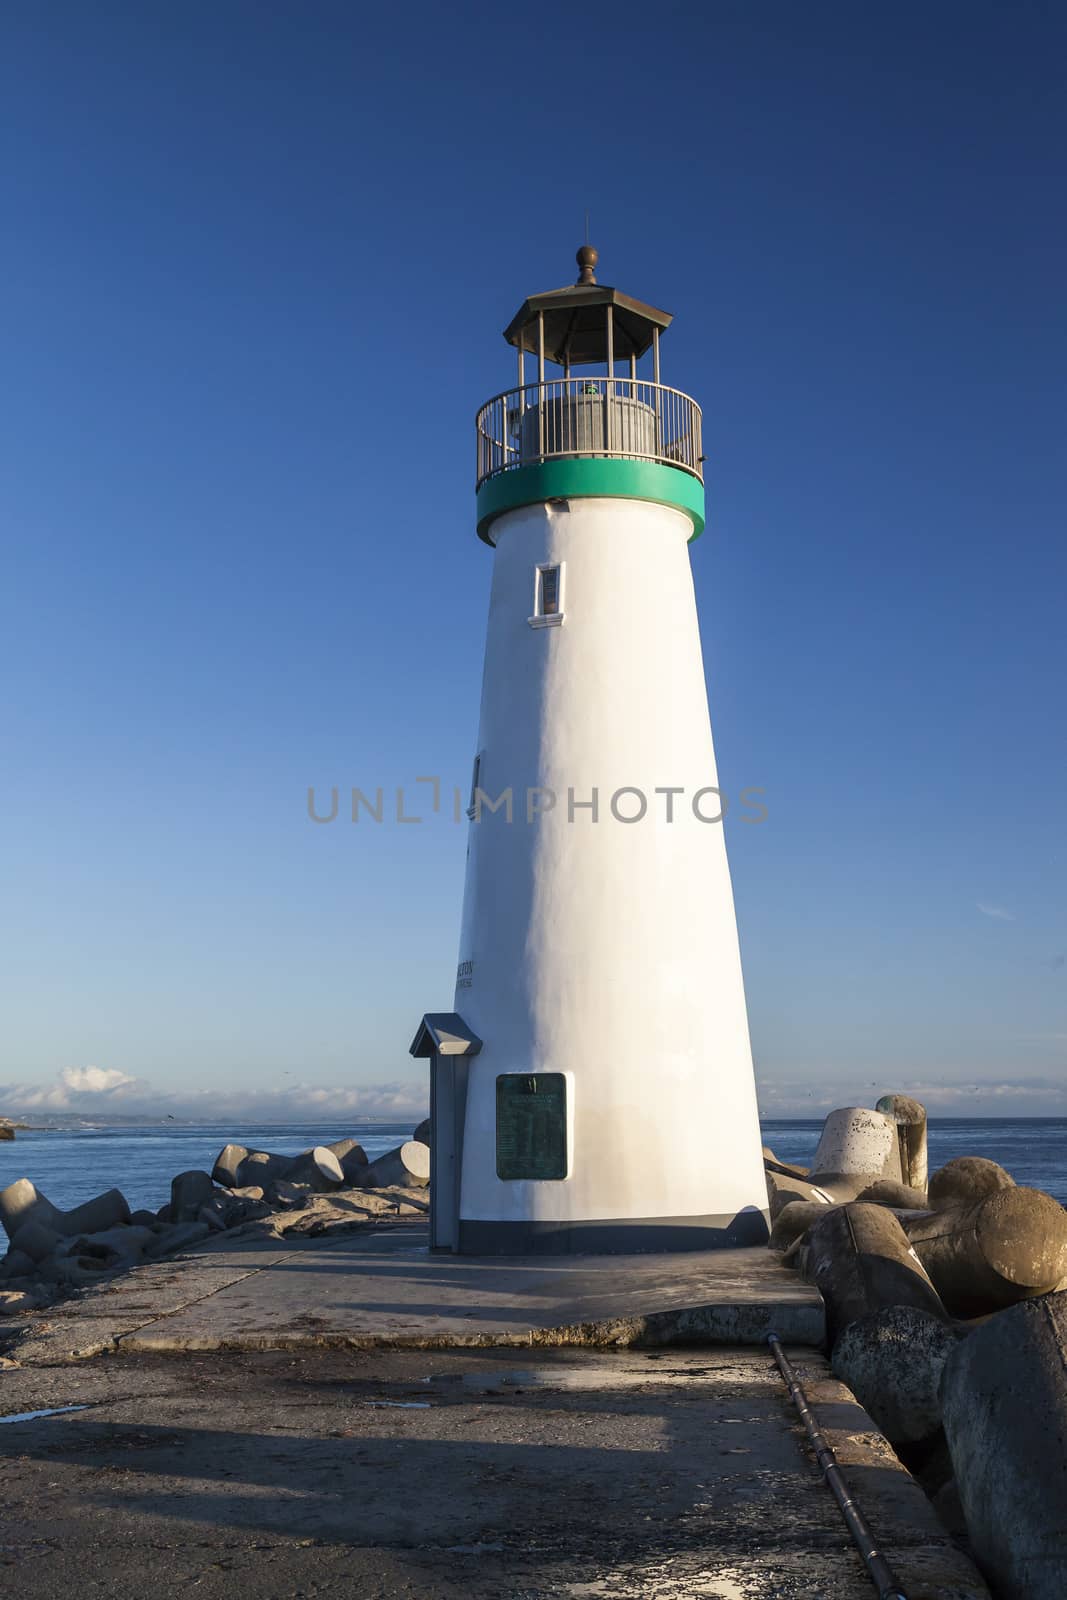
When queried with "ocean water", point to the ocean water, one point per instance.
{"points": [[70, 1165], [1032, 1149]]}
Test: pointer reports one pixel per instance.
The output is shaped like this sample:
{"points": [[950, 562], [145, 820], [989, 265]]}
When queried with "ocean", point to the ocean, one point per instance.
{"points": [[70, 1165]]}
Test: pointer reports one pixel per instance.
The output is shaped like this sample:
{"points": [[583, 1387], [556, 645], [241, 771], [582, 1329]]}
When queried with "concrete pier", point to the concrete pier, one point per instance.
{"points": [[357, 1415]]}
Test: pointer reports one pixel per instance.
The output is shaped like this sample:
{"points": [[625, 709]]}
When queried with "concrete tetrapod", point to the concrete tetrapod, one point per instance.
{"points": [[228, 1165], [856, 1143], [860, 1260], [893, 1361], [1004, 1408], [408, 1165], [318, 1168], [1008, 1247], [910, 1118], [22, 1202], [188, 1192], [965, 1181]]}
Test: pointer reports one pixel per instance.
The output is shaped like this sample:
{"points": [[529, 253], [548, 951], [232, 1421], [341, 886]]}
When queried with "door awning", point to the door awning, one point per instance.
{"points": [[444, 1033]]}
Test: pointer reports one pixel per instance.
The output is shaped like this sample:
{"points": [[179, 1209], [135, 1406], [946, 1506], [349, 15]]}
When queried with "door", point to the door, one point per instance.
{"points": [[448, 1103]]}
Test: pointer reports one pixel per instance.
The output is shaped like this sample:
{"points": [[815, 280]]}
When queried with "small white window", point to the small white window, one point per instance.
{"points": [[548, 597], [476, 778]]}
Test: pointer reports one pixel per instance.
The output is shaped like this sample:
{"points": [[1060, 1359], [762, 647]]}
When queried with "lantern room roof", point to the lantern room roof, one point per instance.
{"points": [[576, 320]]}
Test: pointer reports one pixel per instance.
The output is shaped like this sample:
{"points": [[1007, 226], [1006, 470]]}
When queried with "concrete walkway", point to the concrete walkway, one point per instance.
{"points": [[449, 1475], [380, 1287]]}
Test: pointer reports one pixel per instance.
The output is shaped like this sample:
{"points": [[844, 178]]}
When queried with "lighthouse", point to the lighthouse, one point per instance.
{"points": [[593, 1089]]}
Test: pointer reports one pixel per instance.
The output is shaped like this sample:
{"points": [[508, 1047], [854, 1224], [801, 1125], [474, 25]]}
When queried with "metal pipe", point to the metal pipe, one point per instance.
{"points": [[655, 356], [879, 1571]]}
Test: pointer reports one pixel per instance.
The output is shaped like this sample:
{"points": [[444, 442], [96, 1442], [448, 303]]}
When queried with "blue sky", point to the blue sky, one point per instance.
{"points": [[258, 257]]}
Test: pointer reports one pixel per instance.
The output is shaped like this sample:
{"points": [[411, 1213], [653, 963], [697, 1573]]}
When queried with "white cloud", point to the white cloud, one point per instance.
{"points": [[95, 1080], [100, 1091], [997, 912]]}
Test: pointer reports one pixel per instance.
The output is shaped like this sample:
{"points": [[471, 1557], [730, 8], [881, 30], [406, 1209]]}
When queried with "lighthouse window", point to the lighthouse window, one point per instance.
{"points": [[548, 597], [531, 1125]]}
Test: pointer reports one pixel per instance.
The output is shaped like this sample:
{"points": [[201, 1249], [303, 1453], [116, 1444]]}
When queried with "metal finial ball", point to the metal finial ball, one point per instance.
{"points": [[587, 259]]}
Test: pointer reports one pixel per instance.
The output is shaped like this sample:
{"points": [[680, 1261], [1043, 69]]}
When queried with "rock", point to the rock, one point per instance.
{"points": [[893, 1361], [1004, 1407], [248, 1191], [406, 1166], [20, 1300], [125, 1245], [177, 1237], [949, 1507], [424, 1133], [794, 1220], [285, 1196], [213, 1215], [239, 1209], [857, 1143], [1008, 1247], [228, 1165], [21, 1202], [16, 1264], [319, 1169], [188, 1192], [910, 1118], [887, 1192], [6, 1131], [861, 1262], [35, 1240], [143, 1219], [965, 1181], [163, 1214]]}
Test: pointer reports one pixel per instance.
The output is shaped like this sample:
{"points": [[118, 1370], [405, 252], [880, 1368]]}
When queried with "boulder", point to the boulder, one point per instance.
{"points": [[965, 1181], [127, 1244], [228, 1165], [177, 1237], [910, 1118], [36, 1240], [16, 1264], [143, 1219], [241, 1208], [188, 1192], [893, 1361], [213, 1214], [285, 1196], [318, 1169], [860, 1260], [408, 1166], [1008, 1247], [856, 1143], [1004, 1407], [424, 1133]]}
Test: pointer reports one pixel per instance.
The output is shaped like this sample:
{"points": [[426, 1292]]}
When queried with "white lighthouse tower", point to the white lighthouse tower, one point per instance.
{"points": [[593, 1088]]}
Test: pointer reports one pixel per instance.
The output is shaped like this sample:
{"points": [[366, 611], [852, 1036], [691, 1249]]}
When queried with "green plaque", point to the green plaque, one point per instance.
{"points": [[531, 1125]]}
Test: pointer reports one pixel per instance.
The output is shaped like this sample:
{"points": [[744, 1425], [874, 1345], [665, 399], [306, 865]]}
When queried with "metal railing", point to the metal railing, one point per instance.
{"points": [[623, 417]]}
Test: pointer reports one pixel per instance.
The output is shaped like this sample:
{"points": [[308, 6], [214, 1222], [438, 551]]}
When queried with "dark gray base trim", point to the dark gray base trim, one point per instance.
{"points": [[624, 1237]]}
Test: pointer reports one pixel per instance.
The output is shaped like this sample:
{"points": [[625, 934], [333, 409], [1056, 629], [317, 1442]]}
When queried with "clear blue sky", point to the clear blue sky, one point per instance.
{"points": [[257, 261]]}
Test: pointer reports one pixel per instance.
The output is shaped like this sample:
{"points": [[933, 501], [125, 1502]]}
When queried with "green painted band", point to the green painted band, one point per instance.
{"points": [[595, 477]]}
